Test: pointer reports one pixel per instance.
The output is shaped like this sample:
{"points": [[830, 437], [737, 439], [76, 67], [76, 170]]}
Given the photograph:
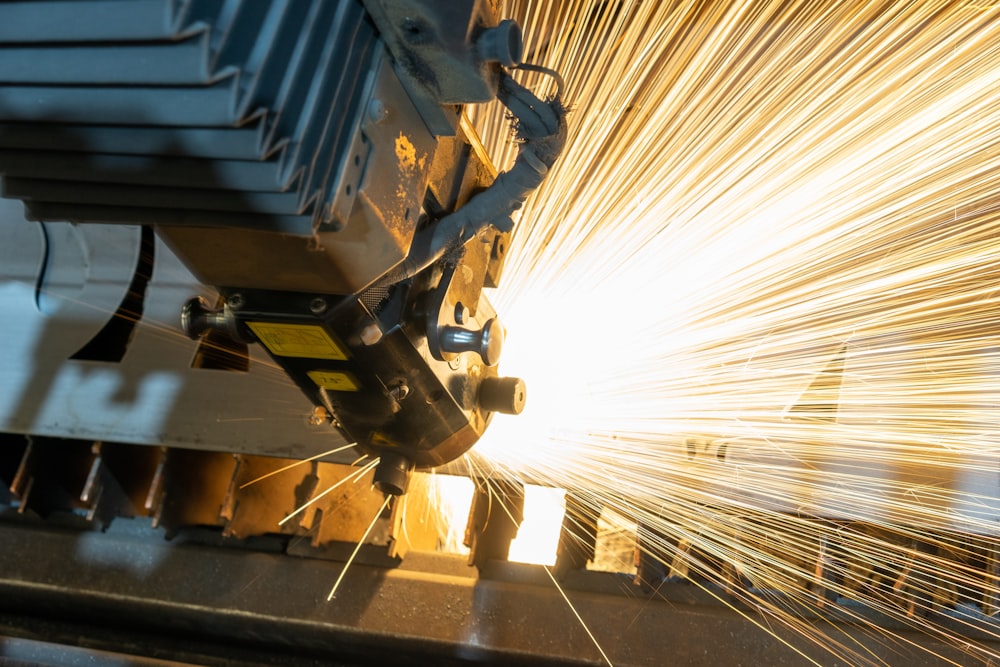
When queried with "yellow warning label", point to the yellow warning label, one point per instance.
{"points": [[298, 340], [381, 440], [335, 380]]}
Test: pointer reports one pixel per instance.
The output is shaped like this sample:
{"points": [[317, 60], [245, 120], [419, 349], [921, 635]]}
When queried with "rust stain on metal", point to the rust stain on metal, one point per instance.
{"points": [[406, 153]]}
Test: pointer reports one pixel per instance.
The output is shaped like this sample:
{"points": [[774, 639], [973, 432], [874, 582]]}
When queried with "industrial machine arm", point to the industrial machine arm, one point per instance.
{"points": [[310, 160]]}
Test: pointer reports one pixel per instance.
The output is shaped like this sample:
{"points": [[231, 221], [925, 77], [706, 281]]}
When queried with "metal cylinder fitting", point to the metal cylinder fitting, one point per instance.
{"points": [[502, 44], [197, 318], [506, 395], [392, 474], [487, 342]]}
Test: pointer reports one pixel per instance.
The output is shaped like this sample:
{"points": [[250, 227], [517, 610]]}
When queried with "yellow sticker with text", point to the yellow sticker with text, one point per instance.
{"points": [[335, 380], [298, 340]]}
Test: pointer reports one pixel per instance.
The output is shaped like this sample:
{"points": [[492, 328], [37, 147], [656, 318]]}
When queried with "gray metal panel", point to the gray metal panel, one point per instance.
{"points": [[22, 22], [137, 170], [195, 200], [295, 74], [198, 107], [182, 64], [298, 225], [242, 143]]}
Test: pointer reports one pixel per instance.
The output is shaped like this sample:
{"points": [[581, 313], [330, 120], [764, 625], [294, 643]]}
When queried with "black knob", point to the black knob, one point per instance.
{"points": [[506, 395], [392, 474], [502, 44]]}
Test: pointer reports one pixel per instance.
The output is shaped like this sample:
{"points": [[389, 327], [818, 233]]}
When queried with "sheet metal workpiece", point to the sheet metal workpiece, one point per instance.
{"points": [[128, 593]]}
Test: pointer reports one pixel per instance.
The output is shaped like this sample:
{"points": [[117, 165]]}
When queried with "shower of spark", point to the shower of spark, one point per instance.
{"points": [[357, 548], [759, 289]]}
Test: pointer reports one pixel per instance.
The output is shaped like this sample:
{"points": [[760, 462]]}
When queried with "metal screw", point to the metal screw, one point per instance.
{"points": [[461, 313], [319, 416], [235, 301], [396, 393], [317, 305], [399, 391], [371, 334], [377, 111]]}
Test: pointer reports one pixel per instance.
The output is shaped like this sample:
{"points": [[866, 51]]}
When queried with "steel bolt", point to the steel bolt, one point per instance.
{"points": [[317, 305], [399, 391], [377, 111], [371, 334], [235, 301], [319, 416]]}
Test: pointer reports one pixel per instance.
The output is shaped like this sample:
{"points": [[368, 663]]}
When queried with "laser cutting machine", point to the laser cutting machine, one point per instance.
{"points": [[295, 187], [244, 249], [310, 162]]}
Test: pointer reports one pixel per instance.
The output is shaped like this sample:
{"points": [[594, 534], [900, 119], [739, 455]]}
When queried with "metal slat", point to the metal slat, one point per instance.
{"points": [[204, 199], [263, 99], [195, 107], [249, 25], [191, 142], [137, 170], [299, 80], [332, 139], [74, 21], [182, 64], [284, 224], [294, 27]]}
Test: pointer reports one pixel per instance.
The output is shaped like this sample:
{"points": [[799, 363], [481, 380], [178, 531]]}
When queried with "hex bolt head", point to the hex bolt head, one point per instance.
{"points": [[371, 334]]}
